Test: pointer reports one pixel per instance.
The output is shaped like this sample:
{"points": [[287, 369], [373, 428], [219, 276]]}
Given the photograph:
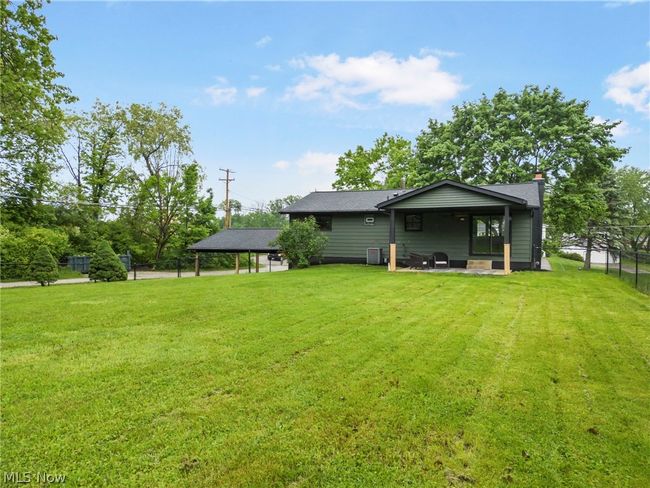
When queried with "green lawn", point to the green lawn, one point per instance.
{"points": [[336, 376]]}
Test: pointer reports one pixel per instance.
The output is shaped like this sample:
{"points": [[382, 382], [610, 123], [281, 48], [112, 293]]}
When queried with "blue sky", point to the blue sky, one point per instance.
{"points": [[276, 91]]}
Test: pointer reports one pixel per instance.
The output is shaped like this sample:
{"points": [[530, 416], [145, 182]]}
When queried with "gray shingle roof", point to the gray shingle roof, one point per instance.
{"points": [[366, 200], [528, 191], [342, 201], [239, 240]]}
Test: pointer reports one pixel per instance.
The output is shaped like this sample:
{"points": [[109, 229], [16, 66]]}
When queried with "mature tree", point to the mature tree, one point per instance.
{"points": [[390, 163], [159, 143], [575, 209], [198, 222], [31, 118], [105, 265], [94, 155], [507, 138], [30, 184], [300, 241], [633, 225], [43, 268]]}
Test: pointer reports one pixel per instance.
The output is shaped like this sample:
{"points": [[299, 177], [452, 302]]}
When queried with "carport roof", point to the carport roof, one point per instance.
{"points": [[238, 240]]}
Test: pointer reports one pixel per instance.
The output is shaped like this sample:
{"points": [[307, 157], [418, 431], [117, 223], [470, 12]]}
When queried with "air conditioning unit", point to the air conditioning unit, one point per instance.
{"points": [[373, 255]]}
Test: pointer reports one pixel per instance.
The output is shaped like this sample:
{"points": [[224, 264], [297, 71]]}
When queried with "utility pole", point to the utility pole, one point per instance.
{"points": [[227, 179]]}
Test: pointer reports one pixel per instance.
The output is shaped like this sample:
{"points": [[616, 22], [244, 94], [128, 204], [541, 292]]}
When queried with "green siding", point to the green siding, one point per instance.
{"points": [[448, 197], [522, 236], [350, 236], [444, 233]]}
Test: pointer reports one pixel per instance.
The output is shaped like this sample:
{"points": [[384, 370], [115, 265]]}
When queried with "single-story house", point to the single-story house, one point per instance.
{"points": [[499, 226]]}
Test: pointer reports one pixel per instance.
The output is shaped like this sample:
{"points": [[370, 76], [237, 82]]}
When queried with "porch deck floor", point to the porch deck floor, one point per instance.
{"points": [[454, 270]]}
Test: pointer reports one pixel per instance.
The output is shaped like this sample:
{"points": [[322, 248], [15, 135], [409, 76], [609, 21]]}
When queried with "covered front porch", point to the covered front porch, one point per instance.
{"points": [[476, 240], [452, 226]]}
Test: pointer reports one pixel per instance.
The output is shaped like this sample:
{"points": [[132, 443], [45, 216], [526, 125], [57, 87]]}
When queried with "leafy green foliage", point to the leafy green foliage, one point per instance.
{"points": [[19, 245], [31, 119], [44, 269], [301, 240], [105, 265], [55, 240], [633, 225], [390, 163], [168, 185], [266, 215], [93, 153], [573, 256], [507, 138]]}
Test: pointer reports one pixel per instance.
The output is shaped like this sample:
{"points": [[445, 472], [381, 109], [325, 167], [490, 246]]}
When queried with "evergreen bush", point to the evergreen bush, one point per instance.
{"points": [[43, 268], [105, 265]]}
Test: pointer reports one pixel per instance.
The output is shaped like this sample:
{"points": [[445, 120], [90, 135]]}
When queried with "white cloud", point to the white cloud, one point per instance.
{"points": [[621, 3], [352, 81], [282, 165], [273, 67], [621, 130], [263, 41], [317, 163], [631, 87], [313, 169], [439, 52], [255, 91], [220, 93]]}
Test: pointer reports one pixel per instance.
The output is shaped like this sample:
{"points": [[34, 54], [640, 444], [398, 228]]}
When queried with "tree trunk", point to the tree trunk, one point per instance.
{"points": [[590, 244]]}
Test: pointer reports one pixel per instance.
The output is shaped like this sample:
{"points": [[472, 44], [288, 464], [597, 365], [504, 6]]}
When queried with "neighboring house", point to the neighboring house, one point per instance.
{"points": [[498, 225]]}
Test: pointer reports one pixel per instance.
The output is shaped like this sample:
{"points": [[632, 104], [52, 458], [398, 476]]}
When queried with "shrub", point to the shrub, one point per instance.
{"points": [[18, 248], [573, 256], [300, 241], [55, 240], [14, 258], [44, 269], [105, 265]]}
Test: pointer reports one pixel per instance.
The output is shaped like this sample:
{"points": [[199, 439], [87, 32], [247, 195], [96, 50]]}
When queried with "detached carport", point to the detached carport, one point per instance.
{"points": [[237, 241]]}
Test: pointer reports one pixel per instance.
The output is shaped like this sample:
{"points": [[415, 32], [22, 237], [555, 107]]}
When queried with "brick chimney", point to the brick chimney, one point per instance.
{"points": [[539, 176]]}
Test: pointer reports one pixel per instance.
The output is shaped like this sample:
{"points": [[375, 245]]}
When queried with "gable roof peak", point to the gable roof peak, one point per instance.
{"points": [[457, 184]]}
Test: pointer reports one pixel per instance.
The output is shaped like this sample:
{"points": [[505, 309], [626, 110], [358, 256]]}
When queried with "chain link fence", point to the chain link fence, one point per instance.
{"points": [[631, 267]]}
